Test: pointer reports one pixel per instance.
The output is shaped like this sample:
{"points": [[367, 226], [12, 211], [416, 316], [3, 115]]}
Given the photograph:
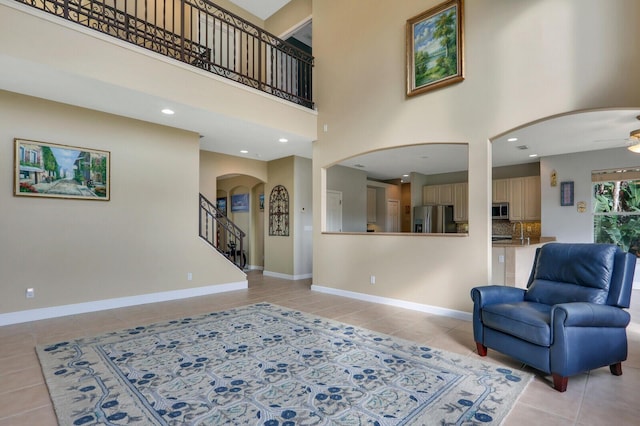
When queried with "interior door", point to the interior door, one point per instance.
{"points": [[393, 216], [334, 211]]}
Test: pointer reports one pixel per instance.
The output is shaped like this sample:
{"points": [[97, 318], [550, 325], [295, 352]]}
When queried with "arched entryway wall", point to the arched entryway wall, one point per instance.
{"points": [[523, 61], [225, 176], [242, 196]]}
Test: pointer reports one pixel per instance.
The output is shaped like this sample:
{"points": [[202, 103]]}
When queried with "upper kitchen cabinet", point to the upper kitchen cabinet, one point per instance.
{"points": [[446, 194], [430, 194], [438, 194], [532, 202], [452, 194], [524, 198], [500, 192], [461, 202]]}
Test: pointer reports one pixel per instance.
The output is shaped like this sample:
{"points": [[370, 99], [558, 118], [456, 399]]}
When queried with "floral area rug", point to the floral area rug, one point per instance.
{"points": [[267, 365]]}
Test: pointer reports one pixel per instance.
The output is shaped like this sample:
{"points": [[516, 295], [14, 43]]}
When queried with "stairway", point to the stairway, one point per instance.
{"points": [[221, 233]]}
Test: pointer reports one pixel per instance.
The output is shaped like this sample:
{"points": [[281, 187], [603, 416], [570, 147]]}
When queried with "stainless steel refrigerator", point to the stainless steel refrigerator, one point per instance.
{"points": [[433, 219]]}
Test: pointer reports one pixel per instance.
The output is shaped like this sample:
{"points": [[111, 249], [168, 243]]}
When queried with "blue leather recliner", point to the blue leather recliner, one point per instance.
{"points": [[571, 317]]}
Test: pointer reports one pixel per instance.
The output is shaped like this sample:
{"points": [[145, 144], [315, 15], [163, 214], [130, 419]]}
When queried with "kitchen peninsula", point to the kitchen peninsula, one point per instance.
{"points": [[512, 260]]}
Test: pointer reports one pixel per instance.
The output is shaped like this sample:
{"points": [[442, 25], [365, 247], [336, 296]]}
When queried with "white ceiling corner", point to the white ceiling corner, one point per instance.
{"points": [[263, 9]]}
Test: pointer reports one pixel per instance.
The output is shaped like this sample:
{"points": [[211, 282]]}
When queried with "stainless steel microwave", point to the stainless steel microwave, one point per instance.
{"points": [[500, 211]]}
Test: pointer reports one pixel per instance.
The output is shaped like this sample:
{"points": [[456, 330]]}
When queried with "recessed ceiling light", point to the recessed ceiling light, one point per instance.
{"points": [[405, 175], [533, 155], [244, 151], [283, 140], [168, 111], [512, 139]]}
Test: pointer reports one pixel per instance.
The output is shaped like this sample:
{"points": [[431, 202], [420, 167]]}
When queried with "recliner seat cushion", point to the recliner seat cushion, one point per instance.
{"points": [[527, 320], [572, 273]]}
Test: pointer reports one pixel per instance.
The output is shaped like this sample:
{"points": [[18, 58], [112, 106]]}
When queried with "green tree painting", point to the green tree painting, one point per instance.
{"points": [[435, 47], [50, 162]]}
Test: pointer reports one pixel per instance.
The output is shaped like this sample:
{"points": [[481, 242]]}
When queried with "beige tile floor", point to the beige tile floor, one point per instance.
{"points": [[596, 398]]}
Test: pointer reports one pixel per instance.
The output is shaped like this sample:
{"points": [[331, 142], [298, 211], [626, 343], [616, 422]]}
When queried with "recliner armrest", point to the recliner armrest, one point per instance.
{"points": [[491, 294], [582, 314]]}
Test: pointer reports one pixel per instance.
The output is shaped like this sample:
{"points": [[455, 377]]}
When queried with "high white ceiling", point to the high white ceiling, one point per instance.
{"points": [[564, 134], [388, 164], [583, 131]]}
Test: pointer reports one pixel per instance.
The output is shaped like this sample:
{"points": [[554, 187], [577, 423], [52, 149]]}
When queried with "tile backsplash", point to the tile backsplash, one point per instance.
{"points": [[504, 227]]}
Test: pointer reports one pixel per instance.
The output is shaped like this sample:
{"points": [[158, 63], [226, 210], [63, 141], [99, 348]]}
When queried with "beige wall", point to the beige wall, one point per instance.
{"points": [[278, 250], [244, 220], [303, 217], [523, 61], [237, 10], [214, 166], [290, 16], [144, 240], [256, 253]]}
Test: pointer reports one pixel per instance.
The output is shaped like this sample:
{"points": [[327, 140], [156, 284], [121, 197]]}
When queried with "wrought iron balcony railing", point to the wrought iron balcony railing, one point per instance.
{"points": [[201, 34]]}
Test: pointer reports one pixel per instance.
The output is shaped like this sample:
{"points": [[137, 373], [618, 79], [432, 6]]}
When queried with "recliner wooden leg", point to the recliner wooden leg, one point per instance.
{"points": [[616, 369], [482, 349], [560, 383]]}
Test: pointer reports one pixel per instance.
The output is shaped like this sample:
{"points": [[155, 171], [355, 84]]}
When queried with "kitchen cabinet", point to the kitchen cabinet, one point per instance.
{"points": [[437, 194], [461, 202], [532, 202], [446, 194], [524, 198], [372, 205], [430, 195], [516, 199], [500, 191]]}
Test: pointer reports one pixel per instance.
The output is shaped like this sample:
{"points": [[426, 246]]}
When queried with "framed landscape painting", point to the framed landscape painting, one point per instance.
{"points": [[44, 169], [240, 203], [435, 53]]}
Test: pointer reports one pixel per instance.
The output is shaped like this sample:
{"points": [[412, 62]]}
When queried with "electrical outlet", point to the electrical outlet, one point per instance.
{"points": [[372, 279], [528, 228], [30, 293], [189, 276], [501, 258]]}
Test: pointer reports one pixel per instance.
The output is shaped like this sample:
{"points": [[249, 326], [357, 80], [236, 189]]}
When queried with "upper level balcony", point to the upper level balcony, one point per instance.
{"points": [[201, 34]]}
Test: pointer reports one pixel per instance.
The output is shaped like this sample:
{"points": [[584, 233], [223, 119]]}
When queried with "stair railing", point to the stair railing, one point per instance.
{"points": [[221, 233]]}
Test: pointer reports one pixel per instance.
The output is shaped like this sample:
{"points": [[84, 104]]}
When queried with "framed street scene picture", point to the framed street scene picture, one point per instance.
{"points": [[60, 171]]}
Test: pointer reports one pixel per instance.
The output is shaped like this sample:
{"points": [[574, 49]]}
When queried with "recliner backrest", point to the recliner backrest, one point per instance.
{"points": [[565, 273], [622, 280]]}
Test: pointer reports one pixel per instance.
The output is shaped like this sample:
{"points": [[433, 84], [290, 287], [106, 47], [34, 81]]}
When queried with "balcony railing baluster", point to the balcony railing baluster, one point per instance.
{"points": [[209, 38]]}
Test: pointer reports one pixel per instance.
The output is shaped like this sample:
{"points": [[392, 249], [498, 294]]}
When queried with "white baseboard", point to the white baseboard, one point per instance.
{"points": [[286, 276], [466, 316], [120, 302], [254, 267]]}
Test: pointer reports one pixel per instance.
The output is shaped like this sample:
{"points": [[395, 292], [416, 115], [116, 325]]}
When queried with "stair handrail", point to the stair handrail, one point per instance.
{"points": [[212, 220]]}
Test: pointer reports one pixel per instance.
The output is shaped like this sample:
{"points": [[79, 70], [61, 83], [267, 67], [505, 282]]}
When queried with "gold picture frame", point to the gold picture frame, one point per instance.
{"points": [[43, 169], [435, 48]]}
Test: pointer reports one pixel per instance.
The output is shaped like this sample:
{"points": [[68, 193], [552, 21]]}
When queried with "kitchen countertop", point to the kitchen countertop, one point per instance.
{"points": [[517, 243]]}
